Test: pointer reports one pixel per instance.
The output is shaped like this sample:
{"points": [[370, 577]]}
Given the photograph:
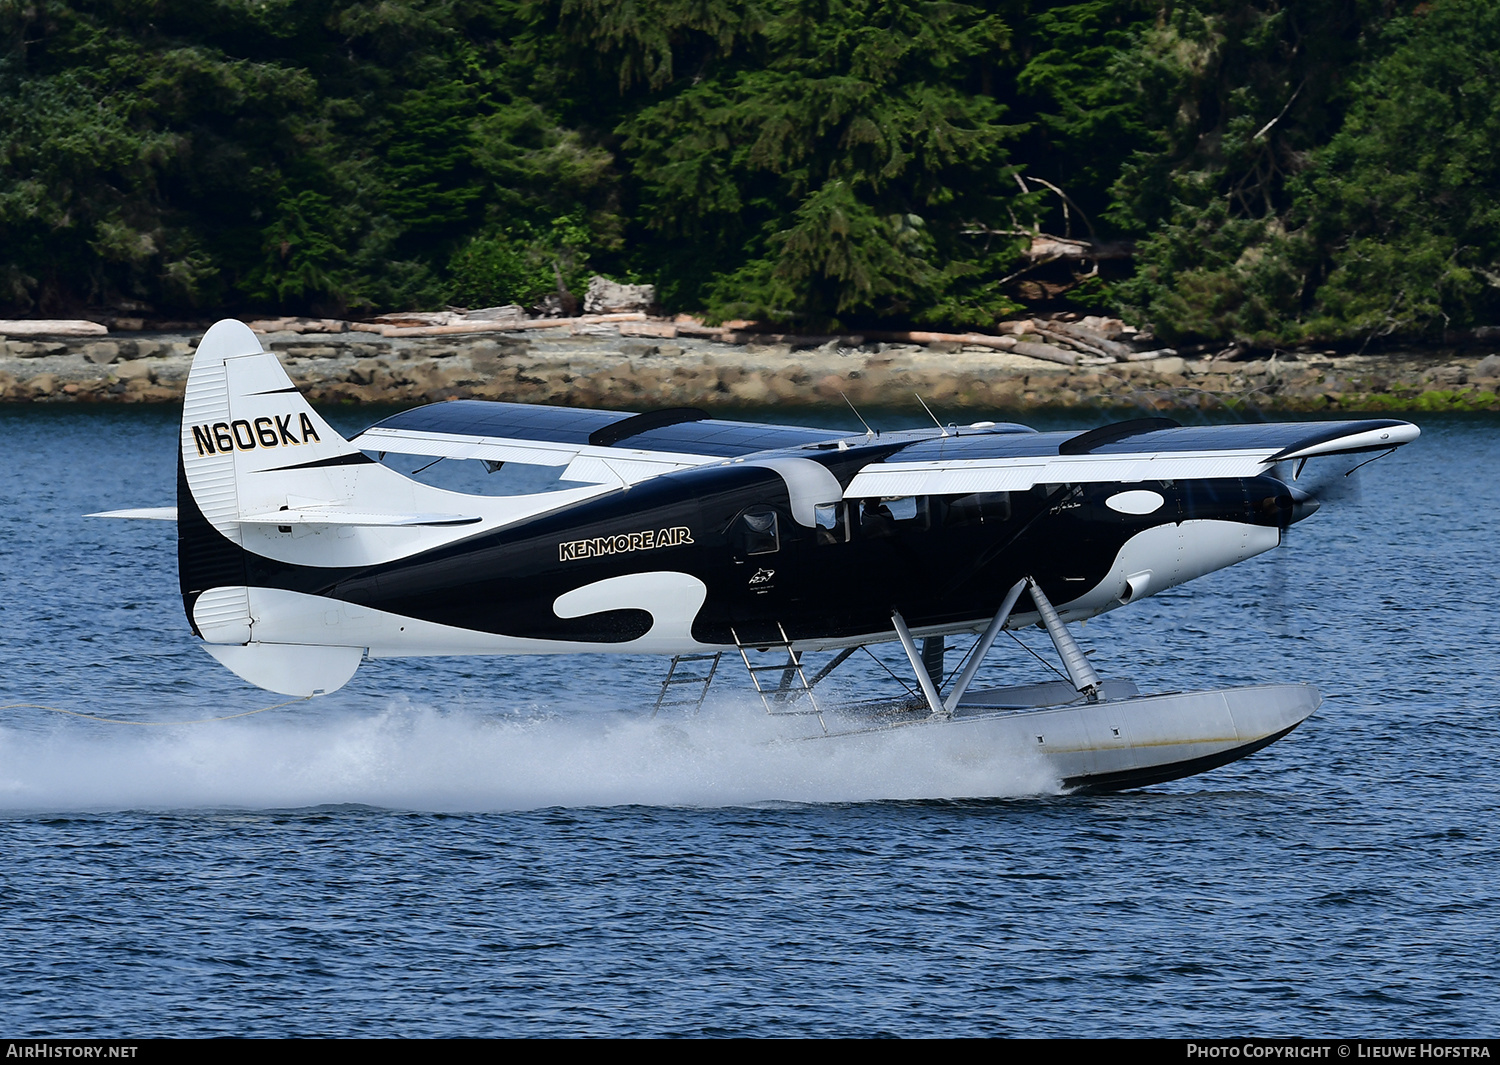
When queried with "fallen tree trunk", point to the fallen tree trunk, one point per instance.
{"points": [[507, 325], [51, 327], [1096, 344], [1050, 352], [978, 340]]}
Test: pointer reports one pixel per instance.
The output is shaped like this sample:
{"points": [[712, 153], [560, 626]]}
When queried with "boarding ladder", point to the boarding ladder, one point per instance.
{"points": [[791, 686], [687, 669]]}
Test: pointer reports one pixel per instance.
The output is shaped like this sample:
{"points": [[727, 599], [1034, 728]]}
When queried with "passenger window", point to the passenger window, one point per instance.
{"points": [[883, 517], [832, 521], [978, 508], [908, 510], [875, 519], [758, 531]]}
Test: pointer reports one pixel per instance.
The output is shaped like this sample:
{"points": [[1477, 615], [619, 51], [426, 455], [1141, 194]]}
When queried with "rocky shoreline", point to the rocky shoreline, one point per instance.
{"points": [[640, 364]]}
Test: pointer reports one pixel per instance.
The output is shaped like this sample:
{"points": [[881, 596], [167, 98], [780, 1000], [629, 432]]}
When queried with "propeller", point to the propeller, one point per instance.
{"points": [[1329, 483]]}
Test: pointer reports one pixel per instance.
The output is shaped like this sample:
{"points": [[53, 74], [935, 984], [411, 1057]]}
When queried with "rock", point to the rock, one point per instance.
{"points": [[610, 297], [750, 390], [1447, 375], [43, 384], [829, 387], [1489, 366], [135, 371], [1109, 328], [21, 349], [102, 353], [143, 349]]}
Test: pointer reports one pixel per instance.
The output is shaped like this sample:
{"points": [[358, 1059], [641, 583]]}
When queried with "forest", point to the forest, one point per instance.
{"points": [[1259, 171]]}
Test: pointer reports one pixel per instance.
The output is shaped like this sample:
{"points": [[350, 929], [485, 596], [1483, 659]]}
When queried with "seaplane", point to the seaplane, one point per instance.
{"points": [[302, 554]]}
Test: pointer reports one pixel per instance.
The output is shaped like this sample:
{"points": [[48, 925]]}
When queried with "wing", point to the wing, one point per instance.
{"points": [[1147, 450], [596, 446]]}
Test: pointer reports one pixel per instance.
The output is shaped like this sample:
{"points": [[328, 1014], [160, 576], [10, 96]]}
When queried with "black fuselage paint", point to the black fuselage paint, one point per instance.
{"points": [[936, 571]]}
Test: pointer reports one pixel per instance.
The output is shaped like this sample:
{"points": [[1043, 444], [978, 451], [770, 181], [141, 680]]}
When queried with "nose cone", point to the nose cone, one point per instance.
{"points": [[1303, 505]]}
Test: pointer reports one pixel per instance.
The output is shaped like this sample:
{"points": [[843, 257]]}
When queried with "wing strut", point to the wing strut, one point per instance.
{"points": [[1083, 675], [929, 689], [945, 707], [983, 647]]}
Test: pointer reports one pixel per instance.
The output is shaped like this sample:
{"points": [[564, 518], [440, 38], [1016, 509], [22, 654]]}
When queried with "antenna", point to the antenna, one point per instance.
{"points": [[857, 414], [930, 414]]}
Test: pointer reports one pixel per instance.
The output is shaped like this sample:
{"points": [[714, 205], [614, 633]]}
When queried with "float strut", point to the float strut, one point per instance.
{"points": [[983, 646], [928, 688], [1083, 675]]}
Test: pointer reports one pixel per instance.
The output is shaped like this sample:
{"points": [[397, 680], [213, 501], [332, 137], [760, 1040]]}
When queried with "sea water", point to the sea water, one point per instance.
{"points": [[515, 847]]}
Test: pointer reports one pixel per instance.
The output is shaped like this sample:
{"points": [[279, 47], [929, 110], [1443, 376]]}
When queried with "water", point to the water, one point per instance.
{"points": [[510, 847]]}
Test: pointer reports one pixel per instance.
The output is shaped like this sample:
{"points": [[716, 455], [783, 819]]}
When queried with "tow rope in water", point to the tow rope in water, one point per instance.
{"points": [[119, 721]]}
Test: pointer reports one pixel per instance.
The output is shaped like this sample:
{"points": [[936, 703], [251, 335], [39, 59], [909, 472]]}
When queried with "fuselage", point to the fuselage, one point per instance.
{"points": [[826, 574]]}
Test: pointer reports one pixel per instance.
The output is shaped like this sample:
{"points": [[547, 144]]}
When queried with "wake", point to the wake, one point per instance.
{"points": [[420, 757]]}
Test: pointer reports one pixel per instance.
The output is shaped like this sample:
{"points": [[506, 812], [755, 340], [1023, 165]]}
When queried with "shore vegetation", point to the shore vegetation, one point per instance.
{"points": [[1261, 172]]}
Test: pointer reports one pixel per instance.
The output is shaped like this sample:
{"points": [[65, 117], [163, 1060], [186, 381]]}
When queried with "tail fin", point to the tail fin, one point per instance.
{"points": [[260, 473], [243, 418], [267, 487]]}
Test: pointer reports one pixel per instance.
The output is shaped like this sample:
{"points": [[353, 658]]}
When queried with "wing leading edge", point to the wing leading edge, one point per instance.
{"points": [[959, 464], [602, 447]]}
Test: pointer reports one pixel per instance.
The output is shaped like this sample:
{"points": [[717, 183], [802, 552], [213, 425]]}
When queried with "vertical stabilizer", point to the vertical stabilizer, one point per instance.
{"points": [[209, 553], [242, 416], [267, 487]]}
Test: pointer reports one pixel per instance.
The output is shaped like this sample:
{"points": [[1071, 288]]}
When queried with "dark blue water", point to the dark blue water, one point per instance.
{"points": [[511, 847]]}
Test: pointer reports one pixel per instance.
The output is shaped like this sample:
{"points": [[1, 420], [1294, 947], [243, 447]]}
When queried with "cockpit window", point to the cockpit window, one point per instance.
{"points": [[758, 531]]}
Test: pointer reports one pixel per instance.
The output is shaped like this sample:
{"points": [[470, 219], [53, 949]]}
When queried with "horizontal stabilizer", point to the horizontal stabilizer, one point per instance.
{"points": [[586, 463], [148, 513], [333, 516]]}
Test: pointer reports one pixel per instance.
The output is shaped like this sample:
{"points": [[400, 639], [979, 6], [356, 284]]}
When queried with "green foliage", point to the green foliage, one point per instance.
{"points": [[523, 264], [1377, 214], [491, 271], [332, 154], [1287, 168], [1210, 274], [826, 169], [1402, 204], [1090, 107]]}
